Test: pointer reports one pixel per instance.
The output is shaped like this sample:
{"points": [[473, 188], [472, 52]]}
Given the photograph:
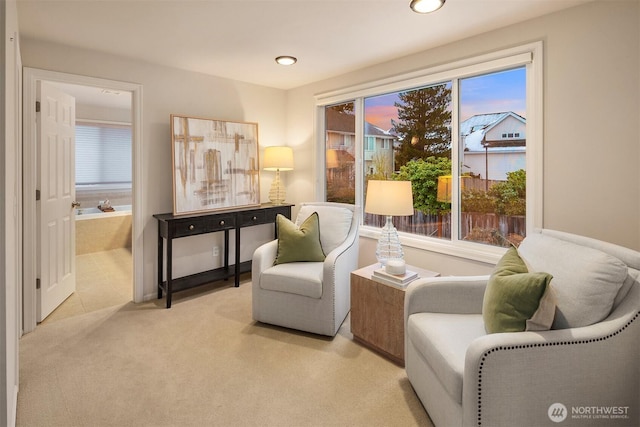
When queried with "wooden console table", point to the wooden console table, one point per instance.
{"points": [[173, 227]]}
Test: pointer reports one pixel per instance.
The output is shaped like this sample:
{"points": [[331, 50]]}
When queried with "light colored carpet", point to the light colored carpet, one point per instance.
{"points": [[103, 279], [204, 362]]}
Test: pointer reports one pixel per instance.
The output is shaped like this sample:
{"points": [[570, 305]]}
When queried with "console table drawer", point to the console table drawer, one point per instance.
{"points": [[221, 223], [189, 227], [252, 218], [273, 213]]}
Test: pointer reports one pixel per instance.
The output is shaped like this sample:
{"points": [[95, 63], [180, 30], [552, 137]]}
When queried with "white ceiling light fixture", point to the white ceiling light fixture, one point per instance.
{"points": [[426, 6], [286, 60]]}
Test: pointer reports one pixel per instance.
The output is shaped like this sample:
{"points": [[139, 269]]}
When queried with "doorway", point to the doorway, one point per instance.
{"points": [[31, 79], [103, 192]]}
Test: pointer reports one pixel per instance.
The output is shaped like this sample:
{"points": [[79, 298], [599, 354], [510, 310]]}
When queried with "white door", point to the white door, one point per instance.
{"points": [[56, 234]]}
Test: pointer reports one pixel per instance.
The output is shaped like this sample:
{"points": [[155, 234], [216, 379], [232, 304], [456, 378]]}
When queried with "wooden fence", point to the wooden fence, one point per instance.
{"points": [[489, 228], [473, 183]]}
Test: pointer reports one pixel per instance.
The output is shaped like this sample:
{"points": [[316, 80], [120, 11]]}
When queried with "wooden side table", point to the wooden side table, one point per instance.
{"points": [[377, 312]]}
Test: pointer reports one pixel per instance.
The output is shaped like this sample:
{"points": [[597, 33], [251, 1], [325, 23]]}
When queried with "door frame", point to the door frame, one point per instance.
{"points": [[30, 77]]}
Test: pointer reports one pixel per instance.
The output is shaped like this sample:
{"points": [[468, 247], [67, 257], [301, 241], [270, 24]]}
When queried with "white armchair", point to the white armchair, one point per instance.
{"points": [[309, 296], [466, 377]]}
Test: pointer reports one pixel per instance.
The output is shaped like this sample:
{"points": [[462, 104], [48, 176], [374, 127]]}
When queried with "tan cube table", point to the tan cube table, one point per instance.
{"points": [[377, 312]]}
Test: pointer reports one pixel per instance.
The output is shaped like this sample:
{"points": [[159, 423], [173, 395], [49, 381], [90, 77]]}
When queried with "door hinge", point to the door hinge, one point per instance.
{"points": [[37, 106], [37, 195], [37, 283]]}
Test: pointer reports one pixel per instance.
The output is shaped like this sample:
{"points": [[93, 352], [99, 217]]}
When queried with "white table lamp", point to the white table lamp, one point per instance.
{"points": [[277, 159], [389, 198]]}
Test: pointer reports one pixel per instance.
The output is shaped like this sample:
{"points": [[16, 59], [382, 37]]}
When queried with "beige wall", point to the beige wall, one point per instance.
{"points": [[166, 91], [591, 125]]}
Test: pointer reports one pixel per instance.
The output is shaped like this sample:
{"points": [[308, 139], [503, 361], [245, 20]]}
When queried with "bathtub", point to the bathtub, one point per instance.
{"points": [[98, 231], [95, 213]]}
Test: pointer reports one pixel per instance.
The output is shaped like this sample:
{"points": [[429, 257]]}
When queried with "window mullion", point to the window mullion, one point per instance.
{"points": [[359, 148], [321, 155], [455, 162]]}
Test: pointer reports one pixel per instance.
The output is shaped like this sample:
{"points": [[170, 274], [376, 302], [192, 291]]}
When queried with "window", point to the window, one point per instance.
{"points": [[103, 153], [339, 129], [468, 137], [493, 175], [370, 143]]}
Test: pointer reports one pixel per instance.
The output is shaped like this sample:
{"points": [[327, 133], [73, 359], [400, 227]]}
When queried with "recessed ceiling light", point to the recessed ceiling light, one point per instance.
{"points": [[426, 6], [286, 60], [110, 92]]}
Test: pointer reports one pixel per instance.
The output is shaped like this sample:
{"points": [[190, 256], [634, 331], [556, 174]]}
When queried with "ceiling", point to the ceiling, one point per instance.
{"points": [[239, 39]]}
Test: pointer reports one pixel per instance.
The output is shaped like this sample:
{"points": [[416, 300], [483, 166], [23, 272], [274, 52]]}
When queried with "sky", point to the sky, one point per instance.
{"points": [[490, 93]]}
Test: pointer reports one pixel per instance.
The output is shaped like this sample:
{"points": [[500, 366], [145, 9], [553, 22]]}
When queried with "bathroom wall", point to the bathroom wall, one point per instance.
{"points": [[104, 233]]}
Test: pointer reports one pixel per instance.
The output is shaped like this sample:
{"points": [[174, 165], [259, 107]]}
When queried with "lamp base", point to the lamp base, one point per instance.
{"points": [[277, 192], [388, 246]]}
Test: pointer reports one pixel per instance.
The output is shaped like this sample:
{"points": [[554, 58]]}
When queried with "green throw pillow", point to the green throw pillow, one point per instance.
{"points": [[514, 297], [297, 244]]}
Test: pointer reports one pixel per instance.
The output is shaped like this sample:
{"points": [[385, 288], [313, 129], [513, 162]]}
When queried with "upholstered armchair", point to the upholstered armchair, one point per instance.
{"points": [[309, 296], [584, 371]]}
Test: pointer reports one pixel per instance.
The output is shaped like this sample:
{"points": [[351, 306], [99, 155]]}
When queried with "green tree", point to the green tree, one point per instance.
{"points": [[479, 201], [511, 195], [423, 174], [504, 198], [381, 167], [424, 124]]}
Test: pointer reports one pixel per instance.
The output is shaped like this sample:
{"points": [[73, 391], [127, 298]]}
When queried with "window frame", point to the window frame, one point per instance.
{"points": [[528, 55]]}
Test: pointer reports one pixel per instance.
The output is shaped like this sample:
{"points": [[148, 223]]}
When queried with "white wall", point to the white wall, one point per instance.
{"points": [[497, 162], [10, 211], [591, 131], [172, 91], [92, 112]]}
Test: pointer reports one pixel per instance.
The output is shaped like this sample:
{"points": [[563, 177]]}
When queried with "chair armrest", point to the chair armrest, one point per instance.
{"points": [[511, 377], [341, 261], [455, 294], [264, 257]]}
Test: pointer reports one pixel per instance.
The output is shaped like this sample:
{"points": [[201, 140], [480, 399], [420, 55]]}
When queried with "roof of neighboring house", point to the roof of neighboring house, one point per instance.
{"points": [[339, 121], [474, 129], [371, 130]]}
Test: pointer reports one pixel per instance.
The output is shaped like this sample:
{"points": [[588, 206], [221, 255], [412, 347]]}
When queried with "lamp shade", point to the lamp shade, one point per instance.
{"points": [[278, 158], [332, 159], [393, 198], [445, 186]]}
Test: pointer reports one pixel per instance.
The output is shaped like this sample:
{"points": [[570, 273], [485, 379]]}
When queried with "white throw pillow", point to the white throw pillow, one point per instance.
{"points": [[585, 280], [335, 223]]}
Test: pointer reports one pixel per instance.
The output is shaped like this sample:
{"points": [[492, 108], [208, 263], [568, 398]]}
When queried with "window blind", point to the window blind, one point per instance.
{"points": [[103, 153]]}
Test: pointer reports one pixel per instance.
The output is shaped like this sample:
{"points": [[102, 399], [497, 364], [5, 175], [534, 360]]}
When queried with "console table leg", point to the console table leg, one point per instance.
{"points": [[160, 258], [237, 260], [226, 253], [169, 271]]}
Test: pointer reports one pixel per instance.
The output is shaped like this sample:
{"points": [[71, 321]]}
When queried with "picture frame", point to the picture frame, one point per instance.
{"points": [[215, 164]]}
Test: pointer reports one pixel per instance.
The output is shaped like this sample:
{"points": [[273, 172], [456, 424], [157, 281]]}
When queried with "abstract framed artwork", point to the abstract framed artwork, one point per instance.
{"points": [[215, 164]]}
